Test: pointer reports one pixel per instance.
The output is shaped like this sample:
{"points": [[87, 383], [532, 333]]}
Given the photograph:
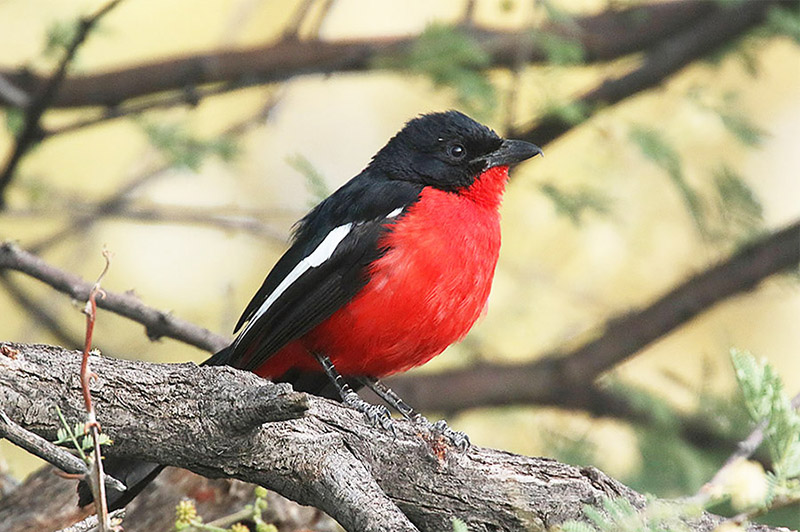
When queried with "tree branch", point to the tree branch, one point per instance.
{"points": [[331, 458], [605, 36], [157, 322], [46, 93], [696, 38], [121, 197], [560, 379], [566, 379]]}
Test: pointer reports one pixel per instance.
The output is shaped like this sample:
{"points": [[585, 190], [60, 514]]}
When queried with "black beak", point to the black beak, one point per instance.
{"points": [[510, 152]]}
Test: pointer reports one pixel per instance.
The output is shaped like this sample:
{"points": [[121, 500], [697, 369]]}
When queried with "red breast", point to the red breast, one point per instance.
{"points": [[424, 293]]}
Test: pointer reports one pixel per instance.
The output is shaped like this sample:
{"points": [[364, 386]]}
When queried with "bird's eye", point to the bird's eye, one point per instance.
{"points": [[456, 151]]}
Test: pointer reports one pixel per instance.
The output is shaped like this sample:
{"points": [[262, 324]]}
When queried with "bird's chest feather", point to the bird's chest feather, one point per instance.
{"points": [[424, 293]]}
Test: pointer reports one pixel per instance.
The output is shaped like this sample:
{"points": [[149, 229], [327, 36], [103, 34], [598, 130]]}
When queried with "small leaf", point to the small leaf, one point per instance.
{"points": [[459, 525], [740, 127], [575, 204], [740, 210], [766, 401], [784, 21], [560, 50], [15, 120], [655, 148], [315, 181], [181, 148], [60, 35]]}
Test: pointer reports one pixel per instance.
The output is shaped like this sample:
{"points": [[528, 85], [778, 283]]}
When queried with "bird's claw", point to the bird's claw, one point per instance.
{"points": [[457, 439], [377, 415]]}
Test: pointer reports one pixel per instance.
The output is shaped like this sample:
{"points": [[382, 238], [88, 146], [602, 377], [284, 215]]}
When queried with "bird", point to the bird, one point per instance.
{"points": [[380, 277]]}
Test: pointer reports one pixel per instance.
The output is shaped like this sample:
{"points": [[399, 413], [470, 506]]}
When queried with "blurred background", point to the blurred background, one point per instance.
{"points": [[187, 137]]}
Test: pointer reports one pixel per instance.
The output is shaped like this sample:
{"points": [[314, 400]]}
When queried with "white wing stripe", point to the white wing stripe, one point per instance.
{"points": [[395, 212], [322, 253]]}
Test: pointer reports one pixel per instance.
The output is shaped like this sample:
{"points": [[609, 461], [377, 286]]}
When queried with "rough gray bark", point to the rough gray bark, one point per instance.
{"points": [[202, 419]]}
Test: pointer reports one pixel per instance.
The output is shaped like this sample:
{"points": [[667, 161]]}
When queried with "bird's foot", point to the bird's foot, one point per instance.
{"points": [[457, 439], [377, 415]]}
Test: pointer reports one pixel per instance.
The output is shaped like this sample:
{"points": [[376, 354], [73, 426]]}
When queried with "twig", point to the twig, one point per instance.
{"points": [[38, 446], [292, 30], [121, 196], [96, 480], [31, 130], [90, 524], [316, 26], [12, 94], [39, 312], [468, 18], [744, 450], [189, 98], [227, 218]]}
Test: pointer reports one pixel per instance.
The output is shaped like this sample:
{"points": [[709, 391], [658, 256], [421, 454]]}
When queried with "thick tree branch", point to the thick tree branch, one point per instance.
{"points": [[331, 458], [604, 36], [566, 379]]}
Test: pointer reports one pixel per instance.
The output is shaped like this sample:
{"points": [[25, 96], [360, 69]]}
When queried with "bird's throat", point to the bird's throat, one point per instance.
{"points": [[488, 188]]}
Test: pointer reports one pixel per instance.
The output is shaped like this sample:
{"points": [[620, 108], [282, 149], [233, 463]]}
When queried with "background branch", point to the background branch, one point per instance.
{"points": [[604, 36], [157, 323], [45, 94], [566, 379], [330, 458], [694, 39]]}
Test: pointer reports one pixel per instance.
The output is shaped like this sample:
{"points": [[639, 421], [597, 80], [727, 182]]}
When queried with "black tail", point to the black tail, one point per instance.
{"points": [[135, 474]]}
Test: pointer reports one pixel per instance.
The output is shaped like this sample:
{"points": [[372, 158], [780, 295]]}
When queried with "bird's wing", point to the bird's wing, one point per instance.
{"points": [[324, 269]]}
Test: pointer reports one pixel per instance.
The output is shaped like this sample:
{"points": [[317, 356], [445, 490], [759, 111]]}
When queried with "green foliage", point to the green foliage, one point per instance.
{"points": [[740, 127], [77, 436], [619, 515], [459, 525], [572, 113], [60, 36], [450, 58], [784, 21], [187, 519], [560, 50], [670, 466], [765, 400], [658, 150], [740, 209], [72, 435], [315, 181], [15, 120], [575, 451], [182, 149], [575, 204]]}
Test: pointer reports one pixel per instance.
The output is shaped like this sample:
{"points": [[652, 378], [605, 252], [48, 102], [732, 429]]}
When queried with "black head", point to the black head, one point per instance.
{"points": [[448, 151]]}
